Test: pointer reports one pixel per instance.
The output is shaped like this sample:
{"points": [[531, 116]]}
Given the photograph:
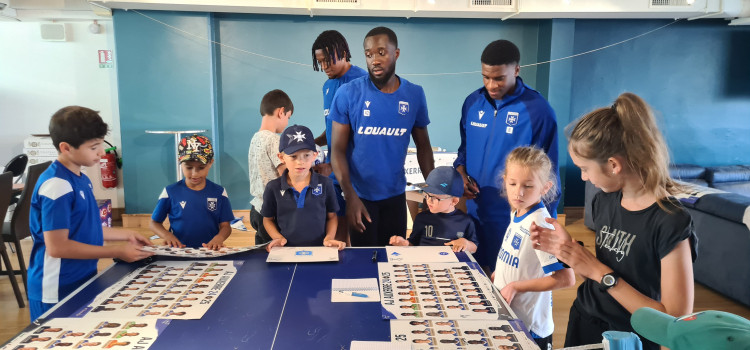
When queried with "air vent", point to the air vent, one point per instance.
{"points": [[337, 1], [671, 3], [480, 3]]}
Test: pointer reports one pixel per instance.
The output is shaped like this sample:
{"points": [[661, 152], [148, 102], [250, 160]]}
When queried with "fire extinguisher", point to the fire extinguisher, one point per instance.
{"points": [[109, 165]]}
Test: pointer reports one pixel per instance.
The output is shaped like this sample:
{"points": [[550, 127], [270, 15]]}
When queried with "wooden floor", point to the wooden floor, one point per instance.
{"points": [[13, 319]]}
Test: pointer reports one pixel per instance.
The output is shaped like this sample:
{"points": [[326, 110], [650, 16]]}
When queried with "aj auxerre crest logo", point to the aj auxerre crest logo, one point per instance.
{"points": [[516, 241], [318, 190], [512, 118], [211, 204], [403, 107]]}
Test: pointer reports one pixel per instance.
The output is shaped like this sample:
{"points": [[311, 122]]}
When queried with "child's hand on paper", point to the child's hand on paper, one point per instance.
{"points": [[398, 240], [278, 242], [462, 244], [334, 243]]}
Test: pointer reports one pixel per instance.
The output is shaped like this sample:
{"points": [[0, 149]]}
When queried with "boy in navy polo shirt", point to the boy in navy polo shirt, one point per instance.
{"points": [[199, 210], [443, 224], [64, 218], [299, 207]]}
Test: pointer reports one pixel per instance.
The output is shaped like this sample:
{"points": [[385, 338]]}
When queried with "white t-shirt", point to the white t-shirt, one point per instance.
{"points": [[262, 161], [519, 261]]}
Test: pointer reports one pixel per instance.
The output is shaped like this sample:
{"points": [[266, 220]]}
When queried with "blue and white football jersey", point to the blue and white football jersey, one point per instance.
{"points": [[381, 125]]}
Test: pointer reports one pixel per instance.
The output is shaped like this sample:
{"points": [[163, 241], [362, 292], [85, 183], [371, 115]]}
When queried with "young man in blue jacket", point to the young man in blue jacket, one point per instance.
{"points": [[495, 119]]}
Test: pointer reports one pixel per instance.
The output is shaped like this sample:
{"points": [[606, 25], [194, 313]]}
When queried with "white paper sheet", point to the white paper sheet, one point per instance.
{"points": [[462, 334], [196, 253], [84, 333], [439, 291], [164, 289], [419, 254], [302, 254], [355, 290], [378, 345]]}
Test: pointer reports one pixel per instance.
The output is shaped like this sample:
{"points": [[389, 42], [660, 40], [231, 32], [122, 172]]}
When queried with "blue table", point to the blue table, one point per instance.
{"points": [[269, 306]]}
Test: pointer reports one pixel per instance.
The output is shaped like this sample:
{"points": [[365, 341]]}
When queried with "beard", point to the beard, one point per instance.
{"points": [[388, 73]]}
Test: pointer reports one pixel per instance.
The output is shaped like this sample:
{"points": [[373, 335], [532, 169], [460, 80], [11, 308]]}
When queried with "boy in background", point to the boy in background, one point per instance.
{"points": [[299, 207], [64, 218], [443, 224], [263, 161], [199, 210]]}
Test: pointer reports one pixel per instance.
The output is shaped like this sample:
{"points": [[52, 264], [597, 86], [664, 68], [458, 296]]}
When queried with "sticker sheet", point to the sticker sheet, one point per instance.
{"points": [[197, 253], [164, 289], [302, 254], [462, 334], [419, 254], [83, 333], [439, 291]]}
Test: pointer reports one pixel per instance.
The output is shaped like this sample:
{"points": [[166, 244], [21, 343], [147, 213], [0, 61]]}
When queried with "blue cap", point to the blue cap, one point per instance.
{"points": [[445, 180], [295, 138]]}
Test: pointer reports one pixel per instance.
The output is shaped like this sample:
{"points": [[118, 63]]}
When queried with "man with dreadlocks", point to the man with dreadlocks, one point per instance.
{"points": [[330, 53]]}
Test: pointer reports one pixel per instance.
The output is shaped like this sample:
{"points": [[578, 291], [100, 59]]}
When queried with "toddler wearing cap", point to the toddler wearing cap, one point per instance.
{"points": [[199, 210], [443, 224], [299, 207]]}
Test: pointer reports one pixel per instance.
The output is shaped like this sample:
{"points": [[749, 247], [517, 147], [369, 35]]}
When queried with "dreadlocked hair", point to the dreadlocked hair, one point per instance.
{"points": [[627, 129], [333, 45]]}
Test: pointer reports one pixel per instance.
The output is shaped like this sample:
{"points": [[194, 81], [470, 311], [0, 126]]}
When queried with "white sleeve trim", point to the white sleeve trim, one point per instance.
{"points": [[164, 194], [55, 188]]}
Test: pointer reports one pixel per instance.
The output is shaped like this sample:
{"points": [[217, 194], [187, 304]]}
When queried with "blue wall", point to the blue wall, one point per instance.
{"points": [[427, 46], [694, 73]]}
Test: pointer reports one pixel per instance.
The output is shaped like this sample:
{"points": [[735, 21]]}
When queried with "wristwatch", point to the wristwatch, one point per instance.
{"points": [[609, 280]]}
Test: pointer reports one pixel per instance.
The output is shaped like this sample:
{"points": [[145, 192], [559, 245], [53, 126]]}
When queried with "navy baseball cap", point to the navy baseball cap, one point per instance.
{"points": [[295, 138], [445, 180]]}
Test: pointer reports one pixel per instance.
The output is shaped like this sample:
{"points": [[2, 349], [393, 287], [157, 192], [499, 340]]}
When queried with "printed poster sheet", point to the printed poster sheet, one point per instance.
{"points": [[196, 253], [419, 254], [462, 334], [85, 333], [164, 289], [439, 291], [302, 254]]}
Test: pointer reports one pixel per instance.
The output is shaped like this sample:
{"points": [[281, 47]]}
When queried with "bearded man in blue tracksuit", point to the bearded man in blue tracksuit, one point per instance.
{"points": [[495, 119]]}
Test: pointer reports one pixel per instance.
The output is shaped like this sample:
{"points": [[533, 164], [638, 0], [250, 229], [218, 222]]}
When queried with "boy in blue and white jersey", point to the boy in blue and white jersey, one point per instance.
{"points": [[64, 218], [442, 224], [331, 54], [199, 210], [495, 119], [373, 117]]}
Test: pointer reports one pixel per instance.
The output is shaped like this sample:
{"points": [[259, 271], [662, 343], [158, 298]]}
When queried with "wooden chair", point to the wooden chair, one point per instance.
{"points": [[6, 189], [18, 227]]}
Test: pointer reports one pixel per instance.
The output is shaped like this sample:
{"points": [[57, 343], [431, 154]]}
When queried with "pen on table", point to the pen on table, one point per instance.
{"points": [[374, 256], [355, 294]]}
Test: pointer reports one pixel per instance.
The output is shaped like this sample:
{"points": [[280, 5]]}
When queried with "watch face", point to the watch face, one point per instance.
{"points": [[608, 280]]}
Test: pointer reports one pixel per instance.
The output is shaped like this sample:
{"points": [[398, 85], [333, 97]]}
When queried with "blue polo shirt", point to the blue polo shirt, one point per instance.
{"points": [[381, 125], [300, 216], [431, 229]]}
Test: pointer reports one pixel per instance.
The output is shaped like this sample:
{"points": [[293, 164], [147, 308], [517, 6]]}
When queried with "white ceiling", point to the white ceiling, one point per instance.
{"points": [[67, 10]]}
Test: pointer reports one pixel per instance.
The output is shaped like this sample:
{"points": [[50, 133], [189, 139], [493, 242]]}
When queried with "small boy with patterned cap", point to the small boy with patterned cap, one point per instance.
{"points": [[299, 207], [199, 210], [443, 224]]}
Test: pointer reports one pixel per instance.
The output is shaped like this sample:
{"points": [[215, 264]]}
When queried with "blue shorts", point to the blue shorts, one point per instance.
{"points": [[38, 308]]}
